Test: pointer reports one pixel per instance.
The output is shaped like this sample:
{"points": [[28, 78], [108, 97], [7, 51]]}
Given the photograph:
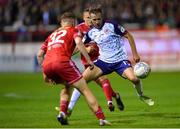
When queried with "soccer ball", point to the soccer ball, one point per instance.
{"points": [[142, 70]]}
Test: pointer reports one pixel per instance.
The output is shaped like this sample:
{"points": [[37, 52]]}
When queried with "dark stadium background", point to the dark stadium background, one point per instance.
{"points": [[27, 102]]}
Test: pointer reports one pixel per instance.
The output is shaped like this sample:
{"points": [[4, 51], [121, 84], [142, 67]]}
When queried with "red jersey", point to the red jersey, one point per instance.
{"points": [[60, 45], [83, 28]]}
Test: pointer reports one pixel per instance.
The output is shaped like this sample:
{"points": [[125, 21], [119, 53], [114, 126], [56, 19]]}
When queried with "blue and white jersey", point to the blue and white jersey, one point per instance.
{"points": [[109, 39]]}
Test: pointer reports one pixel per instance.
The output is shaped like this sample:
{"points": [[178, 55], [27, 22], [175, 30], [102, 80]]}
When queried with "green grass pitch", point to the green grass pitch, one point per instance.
{"points": [[27, 102]]}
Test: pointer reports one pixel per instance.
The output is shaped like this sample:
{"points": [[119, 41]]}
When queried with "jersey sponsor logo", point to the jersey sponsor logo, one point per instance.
{"points": [[106, 31]]}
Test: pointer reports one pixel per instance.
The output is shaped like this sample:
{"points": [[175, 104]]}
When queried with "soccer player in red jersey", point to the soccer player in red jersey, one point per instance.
{"points": [[103, 81], [55, 59]]}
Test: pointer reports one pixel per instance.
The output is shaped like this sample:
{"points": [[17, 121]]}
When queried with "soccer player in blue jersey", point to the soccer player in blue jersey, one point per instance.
{"points": [[112, 53], [102, 81]]}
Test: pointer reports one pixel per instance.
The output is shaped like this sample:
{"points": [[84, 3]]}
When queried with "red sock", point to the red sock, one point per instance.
{"points": [[100, 114], [113, 94], [64, 106], [108, 91]]}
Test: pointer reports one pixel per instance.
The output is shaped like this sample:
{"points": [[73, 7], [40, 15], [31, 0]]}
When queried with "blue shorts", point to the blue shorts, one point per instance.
{"points": [[117, 67]]}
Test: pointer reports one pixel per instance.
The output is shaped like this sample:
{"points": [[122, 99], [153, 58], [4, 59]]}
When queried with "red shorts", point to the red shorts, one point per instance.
{"points": [[62, 72]]}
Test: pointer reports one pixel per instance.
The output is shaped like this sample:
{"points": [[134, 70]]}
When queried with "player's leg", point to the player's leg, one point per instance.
{"points": [[64, 94], [104, 83], [81, 85], [93, 74], [109, 93], [74, 98], [64, 100], [99, 69], [89, 75], [73, 77], [129, 74], [106, 86]]}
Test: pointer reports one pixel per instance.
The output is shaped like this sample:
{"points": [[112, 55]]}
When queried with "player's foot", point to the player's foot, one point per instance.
{"points": [[147, 100], [104, 122], [119, 102], [69, 112], [62, 118], [111, 106]]}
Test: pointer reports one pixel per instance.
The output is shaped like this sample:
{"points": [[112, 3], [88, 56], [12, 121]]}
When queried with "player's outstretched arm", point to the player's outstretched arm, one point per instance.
{"points": [[83, 50], [89, 49], [76, 50], [133, 46]]}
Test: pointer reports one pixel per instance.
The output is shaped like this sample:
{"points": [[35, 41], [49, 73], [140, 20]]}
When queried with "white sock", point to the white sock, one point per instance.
{"points": [[139, 89], [62, 113], [74, 98], [109, 102]]}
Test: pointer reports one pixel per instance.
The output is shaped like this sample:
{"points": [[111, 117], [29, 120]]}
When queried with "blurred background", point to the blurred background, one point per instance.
{"points": [[25, 24]]}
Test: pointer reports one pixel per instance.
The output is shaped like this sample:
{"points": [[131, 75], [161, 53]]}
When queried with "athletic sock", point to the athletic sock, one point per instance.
{"points": [[105, 84], [99, 114], [63, 106], [109, 102], [139, 89], [74, 98], [113, 93]]}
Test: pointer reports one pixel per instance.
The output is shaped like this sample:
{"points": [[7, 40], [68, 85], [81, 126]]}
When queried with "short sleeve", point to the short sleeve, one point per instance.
{"points": [[120, 30], [77, 33]]}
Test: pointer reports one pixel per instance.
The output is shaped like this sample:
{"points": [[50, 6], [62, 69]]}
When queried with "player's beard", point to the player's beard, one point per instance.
{"points": [[97, 26]]}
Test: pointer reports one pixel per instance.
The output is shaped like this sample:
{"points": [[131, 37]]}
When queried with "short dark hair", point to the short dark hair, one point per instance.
{"points": [[86, 10], [95, 9], [67, 15]]}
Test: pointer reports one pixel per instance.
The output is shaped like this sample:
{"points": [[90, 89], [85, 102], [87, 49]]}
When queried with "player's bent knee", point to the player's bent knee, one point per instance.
{"points": [[92, 74]]}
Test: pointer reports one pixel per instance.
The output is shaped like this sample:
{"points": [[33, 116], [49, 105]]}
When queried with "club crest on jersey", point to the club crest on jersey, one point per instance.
{"points": [[106, 31]]}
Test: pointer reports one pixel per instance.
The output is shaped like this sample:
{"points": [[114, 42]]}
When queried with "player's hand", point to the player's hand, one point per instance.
{"points": [[88, 49], [92, 47], [52, 82], [47, 80], [91, 65], [136, 58]]}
